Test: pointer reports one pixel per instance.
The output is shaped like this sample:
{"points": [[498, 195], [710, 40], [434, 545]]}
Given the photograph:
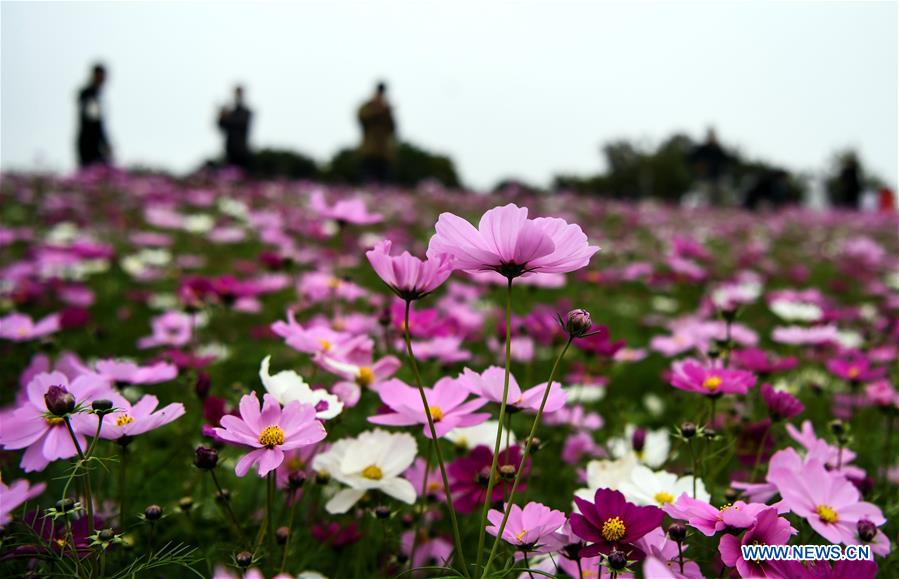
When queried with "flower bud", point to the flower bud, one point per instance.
{"points": [[65, 505], [866, 530], [677, 532], [106, 535], [186, 504], [382, 512], [838, 428], [153, 513], [59, 401], [688, 430], [617, 560], [638, 440], [281, 535], [243, 559], [206, 458], [101, 407], [578, 323], [296, 479], [203, 385], [507, 472]]}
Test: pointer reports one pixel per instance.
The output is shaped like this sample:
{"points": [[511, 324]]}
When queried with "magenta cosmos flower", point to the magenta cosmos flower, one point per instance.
{"points": [[781, 405], [768, 529], [827, 500], [506, 241], [531, 528], [855, 367], [131, 420], [269, 432], [446, 400], [127, 372], [692, 376], [47, 439], [469, 476], [409, 277], [612, 522], [710, 520]]}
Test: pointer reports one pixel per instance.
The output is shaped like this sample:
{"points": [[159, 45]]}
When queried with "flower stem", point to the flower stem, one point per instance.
{"points": [[499, 427], [524, 456], [82, 462], [421, 515], [122, 494], [293, 507], [226, 501], [457, 539]]}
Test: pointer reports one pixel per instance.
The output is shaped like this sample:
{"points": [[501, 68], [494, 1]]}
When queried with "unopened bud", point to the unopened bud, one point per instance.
{"points": [[59, 401], [243, 559], [866, 530], [206, 458], [153, 513], [578, 322], [677, 532], [282, 534]]}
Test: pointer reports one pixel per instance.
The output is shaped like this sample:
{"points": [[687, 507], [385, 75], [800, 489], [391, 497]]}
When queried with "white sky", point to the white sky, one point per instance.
{"points": [[523, 89]]}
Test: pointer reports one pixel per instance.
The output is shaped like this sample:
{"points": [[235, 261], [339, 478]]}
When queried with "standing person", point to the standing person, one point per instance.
{"points": [[234, 123], [849, 182], [378, 129], [93, 146]]}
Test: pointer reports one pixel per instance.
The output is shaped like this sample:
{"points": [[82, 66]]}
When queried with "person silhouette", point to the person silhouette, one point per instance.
{"points": [[710, 162], [93, 146], [234, 123], [376, 151]]}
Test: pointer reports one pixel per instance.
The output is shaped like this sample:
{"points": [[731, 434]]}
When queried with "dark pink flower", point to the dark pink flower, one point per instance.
{"points": [[612, 522], [692, 376]]}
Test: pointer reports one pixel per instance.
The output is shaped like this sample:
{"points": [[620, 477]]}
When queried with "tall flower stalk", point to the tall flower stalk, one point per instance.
{"points": [[457, 538], [499, 427]]}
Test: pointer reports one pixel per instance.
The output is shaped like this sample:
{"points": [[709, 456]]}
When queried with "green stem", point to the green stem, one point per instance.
{"points": [[227, 502], [524, 457], [289, 531], [499, 427], [82, 462], [457, 538], [122, 493], [421, 514]]}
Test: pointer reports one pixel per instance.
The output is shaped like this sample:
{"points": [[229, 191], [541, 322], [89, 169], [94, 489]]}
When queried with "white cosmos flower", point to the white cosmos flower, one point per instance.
{"points": [[585, 393], [648, 487], [482, 434], [655, 448], [374, 460], [288, 386], [606, 474], [796, 311]]}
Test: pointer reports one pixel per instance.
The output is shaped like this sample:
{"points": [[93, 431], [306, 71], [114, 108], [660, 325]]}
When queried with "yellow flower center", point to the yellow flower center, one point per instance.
{"points": [[271, 436], [333, 283], [712, 383], [436, 413], [54, 421], [365, 377], [725, 506], [854, 372], [664, 498], [295, 463], [123, 420], [613, 529], [521, 534], [373, 472], [434, 487], [826, 513], [326, 345]]}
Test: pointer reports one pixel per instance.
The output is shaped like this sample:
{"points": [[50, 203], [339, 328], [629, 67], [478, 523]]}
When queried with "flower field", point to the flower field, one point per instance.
{"points": [[220, 378]]}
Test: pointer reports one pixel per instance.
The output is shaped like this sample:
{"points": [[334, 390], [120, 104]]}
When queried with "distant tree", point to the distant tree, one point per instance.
{"points": [[412, 165], [272, 163]]}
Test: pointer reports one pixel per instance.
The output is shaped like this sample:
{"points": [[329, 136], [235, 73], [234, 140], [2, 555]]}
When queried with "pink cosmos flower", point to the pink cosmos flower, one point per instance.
{"points": [[130, 420], [321, 340], [125, 372], [758, 361], [768, 529], [802, 336], [345, 210], [432, 487], [21, 328], [531, 528], [447, 403], [508, 242], [882, 393], [48, 439], [854, 367], [710, 520], [269, 432], [866, 569], [169, 329], [17, 493], [355, 377], [409, 277], [436, 550], [692, 376], [827, 500], [489, 386], [820, 449]]}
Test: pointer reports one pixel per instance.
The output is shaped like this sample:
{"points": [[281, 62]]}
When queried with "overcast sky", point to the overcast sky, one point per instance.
{"points": [[525, 89]]}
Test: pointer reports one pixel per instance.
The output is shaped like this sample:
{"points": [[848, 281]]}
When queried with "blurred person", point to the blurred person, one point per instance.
{"points": [[886, 201], [234, 122], [376, 152], [709, 161], [848, 186], [770, 189], [93, 146]]}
